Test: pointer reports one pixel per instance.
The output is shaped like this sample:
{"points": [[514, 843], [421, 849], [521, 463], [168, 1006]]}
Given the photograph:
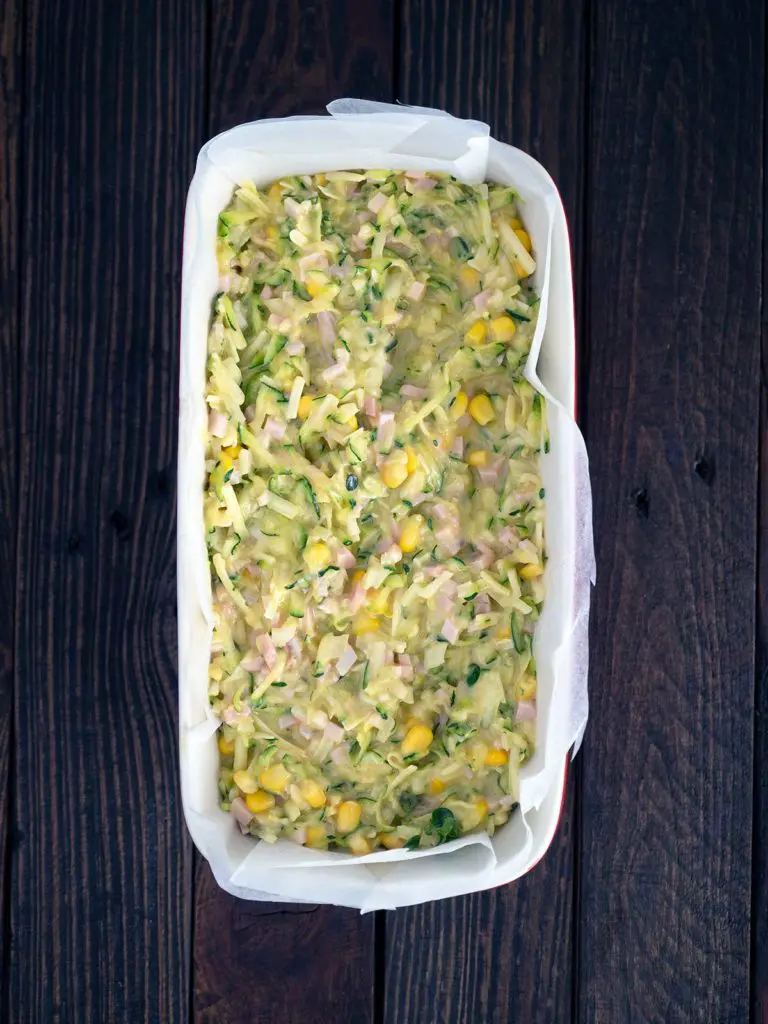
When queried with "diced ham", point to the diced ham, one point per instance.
{"points": [[333, 733], [346, 661], [411, 391], [217, 423], [480, 301], [371, 406], [489, 475], [357, 598], [450, 631], [447, 537], [233, 717], [274, 428], [241, 813], [526, 711], [458, 446], [378, 201], [312, 261], [267, 648], [344, 558], [416, 290], [252, 662]]}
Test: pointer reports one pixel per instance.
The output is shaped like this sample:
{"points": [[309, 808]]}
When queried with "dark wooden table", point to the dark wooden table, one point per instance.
{"points": [[652, 904]]}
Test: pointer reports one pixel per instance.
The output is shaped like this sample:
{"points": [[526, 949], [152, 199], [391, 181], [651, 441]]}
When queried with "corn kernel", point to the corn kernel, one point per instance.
{"points": [[410, 534], [417, 740], [275, 192], [314, 287], [272, 233], [364, 623], [526, 688], [496, 757], [478, 458], [259, 801], [357, 576], [515, 223], [316, 837], [394, 471], [321, 179], [476, 333], [531, 571], [459, 407], [436, 786], [226, 747], [313, 793], [525, 238], [352, 423], [359, 845], [412, 461], [469, 277], [481, 807], [233, 450], [245, 782], [274, 778], [503, 328], [317, 556], [481, 410], [215, 672], [305, 406], [348, 816], [391, 841]]}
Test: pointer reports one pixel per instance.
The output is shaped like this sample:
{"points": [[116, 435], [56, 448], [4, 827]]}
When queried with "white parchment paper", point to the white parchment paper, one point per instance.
{"points": [[365, 134]]}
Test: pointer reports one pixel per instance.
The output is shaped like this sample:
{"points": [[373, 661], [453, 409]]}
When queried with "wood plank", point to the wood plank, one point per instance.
{"points": [[674, 231], [470, 959], [760, 839], [273, 59], [11, 113], [102, 873], [279, 963]]}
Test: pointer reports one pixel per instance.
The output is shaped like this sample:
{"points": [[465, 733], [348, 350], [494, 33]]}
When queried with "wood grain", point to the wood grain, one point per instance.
{"points": [[279, 963], [273, 59], [674, 249], [504, 955], [760, 837], [102, 873], [268, 961], [11, 29]]}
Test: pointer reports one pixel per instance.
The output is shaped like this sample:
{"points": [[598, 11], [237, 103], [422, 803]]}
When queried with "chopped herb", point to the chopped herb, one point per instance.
{"points": [[520, 317], [443, 825], [351, 482], [413, 843], [474, 674], [408, 801]]}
